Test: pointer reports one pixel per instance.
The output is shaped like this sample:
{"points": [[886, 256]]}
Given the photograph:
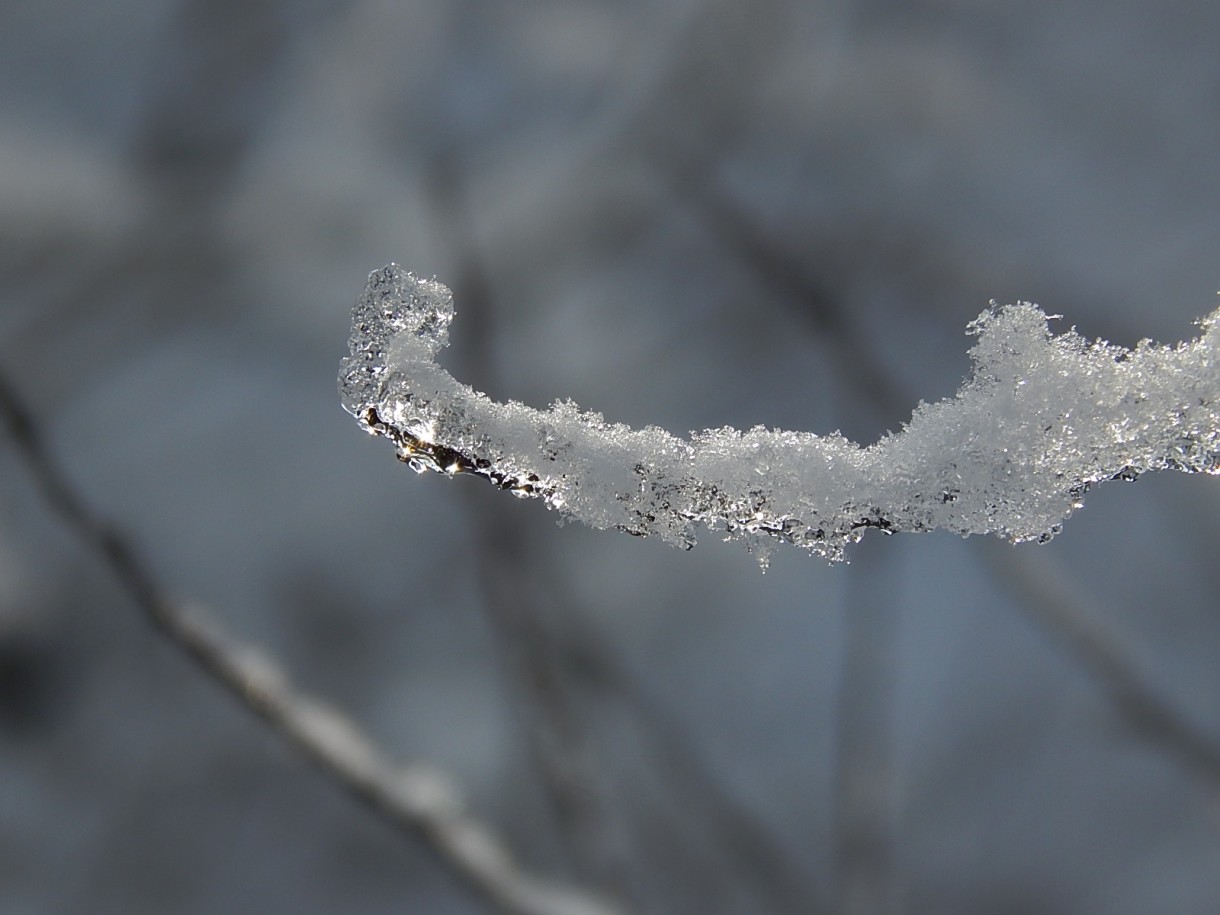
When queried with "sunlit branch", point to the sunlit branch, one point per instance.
{"points": [[1043, 418]]}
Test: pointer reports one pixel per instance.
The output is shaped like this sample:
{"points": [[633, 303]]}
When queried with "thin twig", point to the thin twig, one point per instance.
{"points": [[1050, 595], [733, 227], [525, 632], [865, 755], [1047, 594], [551, 661], [416, 799]]}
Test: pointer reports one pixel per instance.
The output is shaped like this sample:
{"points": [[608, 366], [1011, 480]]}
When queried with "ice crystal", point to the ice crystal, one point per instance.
{"points": [[1042, 418]]}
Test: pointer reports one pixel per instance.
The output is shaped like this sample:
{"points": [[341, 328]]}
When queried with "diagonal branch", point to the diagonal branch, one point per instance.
{"points": [[415, 799], [520, 609], [1051, 596], [734, 228], [554, 658], [1047, 594]]}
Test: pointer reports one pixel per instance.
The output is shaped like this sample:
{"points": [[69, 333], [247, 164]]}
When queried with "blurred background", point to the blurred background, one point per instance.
{"points": [[692, 213]]}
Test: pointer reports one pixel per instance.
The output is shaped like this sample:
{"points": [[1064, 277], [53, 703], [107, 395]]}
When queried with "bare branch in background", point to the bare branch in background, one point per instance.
{"points": [[735, 229], [553, 655], [415, 799], [519, 616], [864, 755], [865, 793], [1050, 595], [1045, 593]]}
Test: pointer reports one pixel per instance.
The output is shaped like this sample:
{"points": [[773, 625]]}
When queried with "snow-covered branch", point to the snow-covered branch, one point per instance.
{"points": [[1042, 418]]}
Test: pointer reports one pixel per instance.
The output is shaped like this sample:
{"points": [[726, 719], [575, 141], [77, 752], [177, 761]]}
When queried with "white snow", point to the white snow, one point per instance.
{"points": [[1042, 418]]}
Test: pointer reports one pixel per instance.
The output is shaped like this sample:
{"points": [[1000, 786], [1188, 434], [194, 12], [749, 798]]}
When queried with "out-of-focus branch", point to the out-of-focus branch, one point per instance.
{"points": [[865, 794], [551, 660], [1050, 595], [516, 608], [864, 766], [1046, 594], [733, 227], [415, 799]]}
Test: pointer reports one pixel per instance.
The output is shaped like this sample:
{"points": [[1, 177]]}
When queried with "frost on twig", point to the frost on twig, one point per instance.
{"points": [[1042, 418]]}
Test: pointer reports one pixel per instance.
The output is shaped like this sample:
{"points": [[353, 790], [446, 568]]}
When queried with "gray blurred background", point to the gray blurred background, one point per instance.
{"points": [[691, 213]]}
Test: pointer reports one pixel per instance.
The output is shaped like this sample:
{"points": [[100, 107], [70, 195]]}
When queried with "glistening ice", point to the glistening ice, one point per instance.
{"points": [[1042, 418]]}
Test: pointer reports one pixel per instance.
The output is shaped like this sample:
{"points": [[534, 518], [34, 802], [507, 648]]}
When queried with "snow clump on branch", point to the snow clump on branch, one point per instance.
{"points": [[1042, 418]]}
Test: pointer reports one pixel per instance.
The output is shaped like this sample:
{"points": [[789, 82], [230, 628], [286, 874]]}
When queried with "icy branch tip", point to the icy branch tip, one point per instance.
{"points": [[1043, 418], [399, 318]]}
